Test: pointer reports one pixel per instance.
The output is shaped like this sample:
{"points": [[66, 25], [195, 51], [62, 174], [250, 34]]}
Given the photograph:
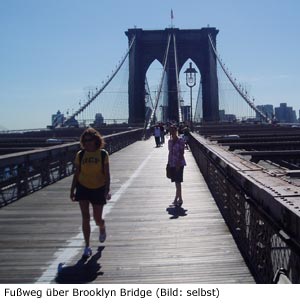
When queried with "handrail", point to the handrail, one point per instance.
{"points": [[26, 172], [264, 222]]}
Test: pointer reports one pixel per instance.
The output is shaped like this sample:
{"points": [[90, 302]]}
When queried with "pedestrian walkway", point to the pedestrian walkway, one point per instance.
{"points": [[149, 241]]}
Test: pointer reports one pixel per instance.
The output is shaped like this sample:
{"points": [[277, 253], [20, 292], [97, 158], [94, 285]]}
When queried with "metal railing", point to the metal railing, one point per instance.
{"points": [[26, 172], [266, 231]]}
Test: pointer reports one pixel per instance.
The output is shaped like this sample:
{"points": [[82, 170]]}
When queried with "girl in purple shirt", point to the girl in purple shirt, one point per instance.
{"points": [[177, 162]]}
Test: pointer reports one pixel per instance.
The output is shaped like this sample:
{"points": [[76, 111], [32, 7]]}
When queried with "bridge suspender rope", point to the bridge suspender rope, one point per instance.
{"points": [[147, 125], [148, 91], [102, 88], [177, 80], [243, 95]]}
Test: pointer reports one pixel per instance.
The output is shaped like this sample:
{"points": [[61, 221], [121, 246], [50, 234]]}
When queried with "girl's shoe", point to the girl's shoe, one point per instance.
{"points": [[174, 202], [87, 252], [102, 236]]}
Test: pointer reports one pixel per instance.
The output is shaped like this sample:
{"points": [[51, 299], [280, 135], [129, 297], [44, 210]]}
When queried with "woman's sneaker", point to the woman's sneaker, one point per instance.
{"points": [[102, 236], [87, 252]]}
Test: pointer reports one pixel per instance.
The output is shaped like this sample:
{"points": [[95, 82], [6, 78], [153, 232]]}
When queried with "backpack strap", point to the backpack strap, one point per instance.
{"points": [[81, 155]]}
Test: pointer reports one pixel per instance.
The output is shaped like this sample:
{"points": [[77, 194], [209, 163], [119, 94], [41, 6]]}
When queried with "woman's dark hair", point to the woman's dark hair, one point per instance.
{"points": [[92, 133]]}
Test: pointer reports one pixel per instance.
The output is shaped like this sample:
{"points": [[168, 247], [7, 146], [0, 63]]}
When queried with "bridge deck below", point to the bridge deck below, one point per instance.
{"points": [[148, 240]]}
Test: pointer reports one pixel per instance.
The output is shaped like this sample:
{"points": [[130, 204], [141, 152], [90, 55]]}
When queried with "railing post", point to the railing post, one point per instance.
{"points": [[62, 164], [22, 178], [45, 170]]}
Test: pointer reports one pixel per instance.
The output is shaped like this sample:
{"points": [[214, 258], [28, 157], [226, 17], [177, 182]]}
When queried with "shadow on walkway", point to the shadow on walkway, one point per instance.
{"points": [[84, 271], [176, 212]]}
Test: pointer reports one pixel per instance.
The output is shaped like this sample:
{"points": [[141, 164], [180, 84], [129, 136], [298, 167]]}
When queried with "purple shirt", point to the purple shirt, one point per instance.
{"points": [[176, 153]]}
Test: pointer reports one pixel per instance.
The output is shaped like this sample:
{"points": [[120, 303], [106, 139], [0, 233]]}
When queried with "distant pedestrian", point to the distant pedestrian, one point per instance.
{"points": [[186, 134], [180, 129], [91, 183], [167, 129], [176, 162], [162, 133], [157, 134]]}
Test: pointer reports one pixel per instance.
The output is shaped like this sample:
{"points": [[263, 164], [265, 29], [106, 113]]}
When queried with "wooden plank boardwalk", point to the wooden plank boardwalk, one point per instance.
{"points": [[148, 240]]}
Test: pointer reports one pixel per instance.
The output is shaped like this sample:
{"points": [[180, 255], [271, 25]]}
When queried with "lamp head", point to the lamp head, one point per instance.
{"points": [[190, 76]]}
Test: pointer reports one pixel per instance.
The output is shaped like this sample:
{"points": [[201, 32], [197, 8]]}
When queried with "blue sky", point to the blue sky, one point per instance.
{"points": [[50, 50]]}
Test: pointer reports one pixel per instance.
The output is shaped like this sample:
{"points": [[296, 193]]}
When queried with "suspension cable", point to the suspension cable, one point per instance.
{"points": [[91, 99], [243, 95], [148, 91], [160, 85], [198, 101], [177, 80]]}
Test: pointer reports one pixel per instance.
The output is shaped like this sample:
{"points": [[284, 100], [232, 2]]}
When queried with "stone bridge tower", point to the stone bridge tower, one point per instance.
{"points": [[151, 45]]}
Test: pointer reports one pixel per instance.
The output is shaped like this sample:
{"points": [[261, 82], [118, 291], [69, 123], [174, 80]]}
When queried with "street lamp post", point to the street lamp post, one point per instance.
{"points": [[190, 74]]}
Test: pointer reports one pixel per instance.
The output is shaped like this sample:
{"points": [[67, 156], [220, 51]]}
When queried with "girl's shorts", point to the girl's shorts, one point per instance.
{"points": [[94, 196]]}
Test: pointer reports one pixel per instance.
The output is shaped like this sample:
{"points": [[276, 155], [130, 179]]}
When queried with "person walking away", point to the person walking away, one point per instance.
{"points": [[157, 135], [91, 183], [162, 133], [186, 133], [180, 129], [176, 162], [167, 129]]}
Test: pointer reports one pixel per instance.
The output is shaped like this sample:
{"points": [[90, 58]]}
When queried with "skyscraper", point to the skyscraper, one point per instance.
{"points": [[285, 114]]}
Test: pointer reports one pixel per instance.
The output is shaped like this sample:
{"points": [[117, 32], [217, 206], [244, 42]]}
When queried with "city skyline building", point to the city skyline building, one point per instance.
{"points": [[267, 109], [285, 114], [57, 119]]}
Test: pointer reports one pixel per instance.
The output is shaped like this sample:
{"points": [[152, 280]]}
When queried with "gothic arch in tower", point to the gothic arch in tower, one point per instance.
{"points": [[150, 45]]}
